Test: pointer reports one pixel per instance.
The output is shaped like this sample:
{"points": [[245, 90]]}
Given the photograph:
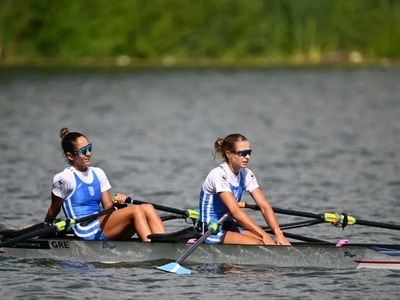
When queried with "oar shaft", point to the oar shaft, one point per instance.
{"points": [[297, 213], [171, 217], [191, 249], [158, 207], [299, 224], [303, 238], [200, 240], [95, 215], [323, 216], [378, 224], [286, 211], [59, 226], [42, 231]]}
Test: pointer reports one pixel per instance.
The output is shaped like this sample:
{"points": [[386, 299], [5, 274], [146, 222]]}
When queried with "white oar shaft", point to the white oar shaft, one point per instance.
{"points": [[200, 240]]}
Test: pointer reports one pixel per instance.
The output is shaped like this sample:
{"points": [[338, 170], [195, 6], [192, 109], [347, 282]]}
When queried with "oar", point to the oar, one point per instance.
{"points": [[175, 267], [295, 236], [56, 227], [190, 213], [302, 238], [329, 217], [8, 232], [15, 232], [297, 224], [171, 217]]}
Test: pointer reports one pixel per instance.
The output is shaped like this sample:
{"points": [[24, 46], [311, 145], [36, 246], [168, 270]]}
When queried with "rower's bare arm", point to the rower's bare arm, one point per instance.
{"points": [[54, 208], [240, 216], [269, 216], [106, 200]]}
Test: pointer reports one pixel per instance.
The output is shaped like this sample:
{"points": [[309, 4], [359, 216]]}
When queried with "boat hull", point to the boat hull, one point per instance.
{"points": [[310, 255]]}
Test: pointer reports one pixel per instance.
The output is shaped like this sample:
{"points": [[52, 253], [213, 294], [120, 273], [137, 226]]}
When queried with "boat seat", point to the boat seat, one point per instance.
{"points": [[179, 236]]}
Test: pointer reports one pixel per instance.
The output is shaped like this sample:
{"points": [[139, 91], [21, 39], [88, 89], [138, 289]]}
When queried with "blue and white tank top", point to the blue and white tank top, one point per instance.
{"points": [[85, 199], [82, 193], [222, 179]]}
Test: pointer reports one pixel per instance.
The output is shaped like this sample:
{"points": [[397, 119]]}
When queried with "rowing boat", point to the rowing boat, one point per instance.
{"points": [[343, 255], [54, 242]]}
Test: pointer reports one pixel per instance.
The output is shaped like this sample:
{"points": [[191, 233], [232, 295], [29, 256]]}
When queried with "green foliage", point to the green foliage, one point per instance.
{"points": [[225, 29]]}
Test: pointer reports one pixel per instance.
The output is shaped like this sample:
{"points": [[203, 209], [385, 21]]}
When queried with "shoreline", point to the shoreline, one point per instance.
{"points": [[170, 62]]}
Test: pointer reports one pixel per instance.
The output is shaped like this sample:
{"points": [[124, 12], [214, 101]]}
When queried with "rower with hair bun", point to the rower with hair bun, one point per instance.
{"points": [[80, 189], [222, 190]]}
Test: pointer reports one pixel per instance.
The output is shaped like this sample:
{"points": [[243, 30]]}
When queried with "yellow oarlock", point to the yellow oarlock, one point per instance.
{"points": [[339, 218], [193, 214], [60, 225]]}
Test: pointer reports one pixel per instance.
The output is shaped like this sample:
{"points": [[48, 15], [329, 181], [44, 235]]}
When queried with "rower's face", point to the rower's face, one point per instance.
{"points": [[81, 156], [240, 157]]}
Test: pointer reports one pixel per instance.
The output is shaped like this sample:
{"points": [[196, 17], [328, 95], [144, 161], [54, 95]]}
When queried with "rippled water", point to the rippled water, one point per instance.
{"points": [[323, 140]]}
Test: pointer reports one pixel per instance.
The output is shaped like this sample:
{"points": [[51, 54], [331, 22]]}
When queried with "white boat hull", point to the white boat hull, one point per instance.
{"points": [[308, 255]]}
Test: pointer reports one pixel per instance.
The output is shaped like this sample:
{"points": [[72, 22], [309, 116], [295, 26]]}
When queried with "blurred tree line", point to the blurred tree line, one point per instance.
{"points": [[178, 30]]}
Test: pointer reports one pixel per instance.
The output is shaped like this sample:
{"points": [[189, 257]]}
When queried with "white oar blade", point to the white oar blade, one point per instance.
{"points": [[174, 268]]}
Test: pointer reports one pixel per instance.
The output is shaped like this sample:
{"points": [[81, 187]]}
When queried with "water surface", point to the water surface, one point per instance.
{"points": [[322, 139]]}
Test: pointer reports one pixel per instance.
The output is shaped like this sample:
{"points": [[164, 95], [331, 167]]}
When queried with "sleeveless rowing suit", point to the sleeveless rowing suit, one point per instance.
{"points": [[222, 179], [82, 194]]}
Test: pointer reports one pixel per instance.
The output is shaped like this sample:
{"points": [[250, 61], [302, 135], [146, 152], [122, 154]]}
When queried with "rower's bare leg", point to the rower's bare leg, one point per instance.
{"points": [[268, 239], [125, 222], [153, 219], [238, 238]]}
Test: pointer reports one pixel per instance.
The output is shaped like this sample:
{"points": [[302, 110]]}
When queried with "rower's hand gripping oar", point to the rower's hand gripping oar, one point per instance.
{"points": [[192, 214], [335, 218], [56, 227], [175, 267]]}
